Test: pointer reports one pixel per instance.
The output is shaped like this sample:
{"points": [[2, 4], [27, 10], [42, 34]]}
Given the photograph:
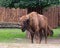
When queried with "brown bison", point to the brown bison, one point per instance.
{"points": [[37, 25]]}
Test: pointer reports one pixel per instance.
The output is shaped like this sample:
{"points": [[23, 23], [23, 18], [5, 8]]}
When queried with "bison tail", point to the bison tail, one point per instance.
{"points": [[50, 31]]}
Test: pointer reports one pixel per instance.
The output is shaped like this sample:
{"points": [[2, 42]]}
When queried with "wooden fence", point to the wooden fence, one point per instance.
{"points": [[52, 14], [59, 15], [11, 15]]}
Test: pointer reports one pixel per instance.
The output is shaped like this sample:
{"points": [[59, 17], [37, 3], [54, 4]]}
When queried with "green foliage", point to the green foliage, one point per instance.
{"points": [[56, 32], [28, 3], [5, 3], [35, 3]]}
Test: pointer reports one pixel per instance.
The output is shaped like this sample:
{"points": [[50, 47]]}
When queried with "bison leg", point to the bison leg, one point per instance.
{"points": [[45, 38], [45, 35], [40, 35], [40, 38], [37, 38], [32, 36]]}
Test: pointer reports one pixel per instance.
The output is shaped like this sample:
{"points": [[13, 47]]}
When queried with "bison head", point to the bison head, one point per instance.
{"points": [[24, 22]]}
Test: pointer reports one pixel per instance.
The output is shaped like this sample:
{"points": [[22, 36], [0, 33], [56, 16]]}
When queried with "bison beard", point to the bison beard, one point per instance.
{"points": [[25, 25], [35, 23]]}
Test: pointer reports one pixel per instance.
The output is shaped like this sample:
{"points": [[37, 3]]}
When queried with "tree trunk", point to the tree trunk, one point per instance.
{"points": [[36, 9]]}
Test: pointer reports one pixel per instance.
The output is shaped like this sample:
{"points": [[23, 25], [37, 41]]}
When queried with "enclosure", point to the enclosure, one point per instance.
{"points": [[12, 15], [9, 24]]}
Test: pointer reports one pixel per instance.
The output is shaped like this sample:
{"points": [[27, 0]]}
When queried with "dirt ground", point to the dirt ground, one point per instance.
{"points": [[28, 41], [16, 45], [25, 43]]}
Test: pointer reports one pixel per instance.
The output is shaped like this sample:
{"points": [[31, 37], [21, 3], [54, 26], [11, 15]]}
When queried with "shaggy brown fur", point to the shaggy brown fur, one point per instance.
{"points": [[44, 27], [36, 24]]}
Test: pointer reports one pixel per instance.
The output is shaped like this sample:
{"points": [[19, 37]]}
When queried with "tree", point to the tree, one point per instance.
{"points": [[5, 3], [27, 3], [36, 3]]}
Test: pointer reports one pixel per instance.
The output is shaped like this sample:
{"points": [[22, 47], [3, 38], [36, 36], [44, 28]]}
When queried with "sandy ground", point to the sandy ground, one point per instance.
{"points": [[28, 41], [17, 45], [25, 43]]}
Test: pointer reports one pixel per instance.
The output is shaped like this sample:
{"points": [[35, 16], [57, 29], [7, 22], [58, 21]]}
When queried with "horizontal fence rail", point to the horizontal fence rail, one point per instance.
{"points": [[13, 15], [10, 17]]}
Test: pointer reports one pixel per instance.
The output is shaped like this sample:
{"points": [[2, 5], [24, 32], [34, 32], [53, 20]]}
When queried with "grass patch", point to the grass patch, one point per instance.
{"points": [[56, 32], [7, 35], [10, 34]]}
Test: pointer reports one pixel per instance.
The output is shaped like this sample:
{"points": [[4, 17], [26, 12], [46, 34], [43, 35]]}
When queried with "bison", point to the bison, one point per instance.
{"points": [[37, 25]]}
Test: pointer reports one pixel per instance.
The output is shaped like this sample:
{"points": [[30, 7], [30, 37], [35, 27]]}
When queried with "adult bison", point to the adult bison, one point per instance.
{"points": [[37, 25]]}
